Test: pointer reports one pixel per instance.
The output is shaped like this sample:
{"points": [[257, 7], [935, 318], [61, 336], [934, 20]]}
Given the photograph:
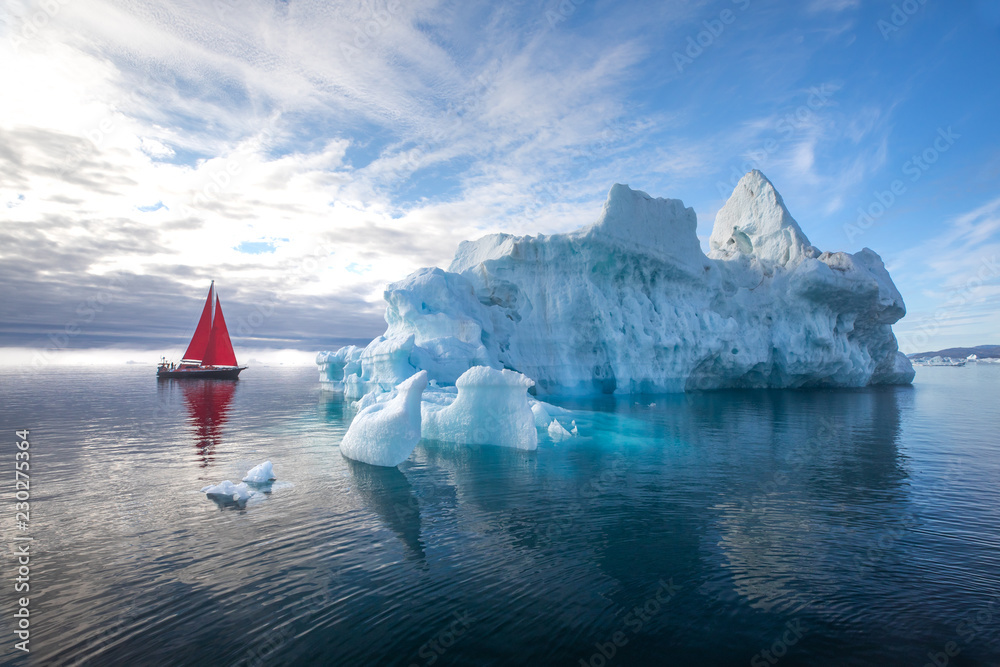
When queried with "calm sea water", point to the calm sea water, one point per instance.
{"points": [[824, 527]]}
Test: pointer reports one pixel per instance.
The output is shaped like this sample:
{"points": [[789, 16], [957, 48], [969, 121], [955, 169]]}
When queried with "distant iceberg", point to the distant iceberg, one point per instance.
{"points": [[631, 304], [941, 361]]}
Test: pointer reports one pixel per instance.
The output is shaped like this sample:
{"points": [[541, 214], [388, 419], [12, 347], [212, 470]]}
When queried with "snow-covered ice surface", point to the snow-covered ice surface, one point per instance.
{"points": [[541, 415], [385, 432], [258, 480], [260, 474], [631, 304], [490, 408], [558, 432], [227, 493]]}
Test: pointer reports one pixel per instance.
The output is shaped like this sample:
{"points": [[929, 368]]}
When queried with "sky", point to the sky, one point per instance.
{"points": [[305, 154]]}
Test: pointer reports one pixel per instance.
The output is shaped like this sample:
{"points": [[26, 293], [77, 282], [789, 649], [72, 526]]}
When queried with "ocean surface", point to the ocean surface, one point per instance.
{"points": [[827, 527]]}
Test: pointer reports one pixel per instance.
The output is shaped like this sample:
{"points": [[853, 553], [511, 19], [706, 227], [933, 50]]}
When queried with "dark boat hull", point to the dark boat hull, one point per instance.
{"points": [[227, 373]]}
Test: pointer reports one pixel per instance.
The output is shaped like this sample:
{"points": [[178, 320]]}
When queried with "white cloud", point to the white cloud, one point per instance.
{"points": [[833, 5], [959, 272], [156, 137], [155, 148]]}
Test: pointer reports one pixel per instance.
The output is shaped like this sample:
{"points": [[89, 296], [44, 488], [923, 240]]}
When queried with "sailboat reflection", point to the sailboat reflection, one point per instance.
{"points": [[208, 406]]}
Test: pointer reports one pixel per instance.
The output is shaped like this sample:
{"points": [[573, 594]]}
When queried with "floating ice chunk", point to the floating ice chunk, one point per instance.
{"points": [[228, 493], [575, 430], [542, 418], [491, 409], [385, 433], [261, 474], [558, 432]]}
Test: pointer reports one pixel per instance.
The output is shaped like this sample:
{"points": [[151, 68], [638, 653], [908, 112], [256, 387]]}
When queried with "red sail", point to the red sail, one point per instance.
{"points": [[220, 348], [199, 342]]}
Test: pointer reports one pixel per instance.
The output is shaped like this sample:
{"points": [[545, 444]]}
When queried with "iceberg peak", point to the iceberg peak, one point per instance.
{"points": [[755, 214], [664, 228]]}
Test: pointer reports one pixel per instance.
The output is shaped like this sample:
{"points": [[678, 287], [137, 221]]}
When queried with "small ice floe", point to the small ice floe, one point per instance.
{"points": [[558, 432], [260, 474], [229, 494]]}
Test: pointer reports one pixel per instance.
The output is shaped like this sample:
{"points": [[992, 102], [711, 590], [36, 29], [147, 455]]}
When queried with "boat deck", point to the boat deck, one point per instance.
{"points": [[210, 373]]}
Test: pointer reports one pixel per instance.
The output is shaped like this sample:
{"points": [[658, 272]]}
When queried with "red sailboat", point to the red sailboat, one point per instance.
{"points": [[210, 353]]}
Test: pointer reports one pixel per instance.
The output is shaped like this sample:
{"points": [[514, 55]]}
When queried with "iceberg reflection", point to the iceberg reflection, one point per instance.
{"points": [[386, 492]]}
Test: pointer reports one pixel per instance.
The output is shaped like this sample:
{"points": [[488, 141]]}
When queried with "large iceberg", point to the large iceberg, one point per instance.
{"points": [[631, 304]]}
